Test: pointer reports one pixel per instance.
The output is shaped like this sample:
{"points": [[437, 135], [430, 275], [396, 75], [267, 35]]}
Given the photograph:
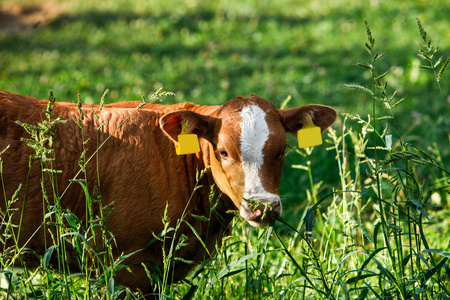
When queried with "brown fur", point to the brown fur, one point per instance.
{"points": [[139, 171]]}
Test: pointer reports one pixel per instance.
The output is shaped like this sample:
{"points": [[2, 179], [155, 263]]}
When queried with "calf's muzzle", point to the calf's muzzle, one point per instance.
{"points": [[260, 212]]}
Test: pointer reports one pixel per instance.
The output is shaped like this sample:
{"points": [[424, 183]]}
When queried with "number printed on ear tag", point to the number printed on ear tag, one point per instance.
{"points": [[187, 144], [309, 136]]}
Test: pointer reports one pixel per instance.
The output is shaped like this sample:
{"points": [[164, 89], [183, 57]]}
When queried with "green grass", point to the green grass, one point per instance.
{"points": [[381, 216]]}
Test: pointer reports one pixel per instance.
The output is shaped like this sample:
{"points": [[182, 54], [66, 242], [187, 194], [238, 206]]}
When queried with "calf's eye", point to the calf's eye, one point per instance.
{"points": [[223, 154]]}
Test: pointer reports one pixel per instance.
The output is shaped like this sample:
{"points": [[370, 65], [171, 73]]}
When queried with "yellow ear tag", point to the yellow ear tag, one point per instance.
{"points": [[187, 142], [309, 135]]}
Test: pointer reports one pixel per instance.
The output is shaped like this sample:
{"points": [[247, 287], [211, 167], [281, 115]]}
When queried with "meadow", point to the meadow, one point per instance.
{"points": [[366, 213]]}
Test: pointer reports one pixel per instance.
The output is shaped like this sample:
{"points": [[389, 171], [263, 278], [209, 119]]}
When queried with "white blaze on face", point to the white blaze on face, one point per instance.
{"points": [[254, 134]]}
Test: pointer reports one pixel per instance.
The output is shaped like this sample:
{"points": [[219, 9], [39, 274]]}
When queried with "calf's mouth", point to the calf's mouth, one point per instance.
{"points": [[259, 213]]}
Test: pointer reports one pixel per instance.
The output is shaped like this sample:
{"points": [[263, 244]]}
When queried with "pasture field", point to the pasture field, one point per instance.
{"points": [[366, 214]]}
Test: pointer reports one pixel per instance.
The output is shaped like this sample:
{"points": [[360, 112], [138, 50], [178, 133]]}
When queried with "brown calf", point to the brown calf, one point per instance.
{"points": [[242, 141]]}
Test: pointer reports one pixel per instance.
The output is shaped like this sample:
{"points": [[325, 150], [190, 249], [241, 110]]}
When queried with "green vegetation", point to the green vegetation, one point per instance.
{"points": [[366, 214]]}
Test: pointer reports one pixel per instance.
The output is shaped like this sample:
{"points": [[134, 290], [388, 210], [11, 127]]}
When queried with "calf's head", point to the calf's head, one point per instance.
{"points": [[245, 140]]}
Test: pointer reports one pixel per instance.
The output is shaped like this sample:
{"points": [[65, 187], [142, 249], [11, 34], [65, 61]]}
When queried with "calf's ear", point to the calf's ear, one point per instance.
{"points": [[203, 126], [294, 118]]}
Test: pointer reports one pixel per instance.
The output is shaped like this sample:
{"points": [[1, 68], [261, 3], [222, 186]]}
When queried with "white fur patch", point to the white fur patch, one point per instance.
{"points": [[254, 134]]}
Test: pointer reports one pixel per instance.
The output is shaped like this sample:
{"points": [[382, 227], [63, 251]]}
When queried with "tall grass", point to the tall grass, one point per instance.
{"points": [[377, 235], [371, 234]]}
